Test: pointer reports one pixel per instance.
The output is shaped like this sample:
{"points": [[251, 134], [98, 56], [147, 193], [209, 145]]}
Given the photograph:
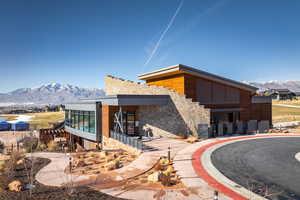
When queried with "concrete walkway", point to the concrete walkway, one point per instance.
{"points": [[184, 160], [183, 165], [287, 105], [54, 174]]}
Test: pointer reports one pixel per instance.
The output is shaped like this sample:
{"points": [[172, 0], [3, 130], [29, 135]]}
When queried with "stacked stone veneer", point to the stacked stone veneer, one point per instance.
{"points": [[181, 116]]}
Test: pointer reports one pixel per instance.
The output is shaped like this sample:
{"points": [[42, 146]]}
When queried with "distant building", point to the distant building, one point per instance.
{"points": [[280, 94], [297, 94]]}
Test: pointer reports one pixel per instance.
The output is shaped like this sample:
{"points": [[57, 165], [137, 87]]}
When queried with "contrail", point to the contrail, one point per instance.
{"points": [[164, 33]]}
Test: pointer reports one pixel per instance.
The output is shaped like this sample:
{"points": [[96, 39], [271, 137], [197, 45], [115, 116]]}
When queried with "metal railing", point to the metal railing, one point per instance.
{"points": [[131, 141]]}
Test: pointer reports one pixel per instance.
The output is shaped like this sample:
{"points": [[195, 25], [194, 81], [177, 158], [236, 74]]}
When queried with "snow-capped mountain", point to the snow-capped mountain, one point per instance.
{"points": [[54, 93], [291, 85]]}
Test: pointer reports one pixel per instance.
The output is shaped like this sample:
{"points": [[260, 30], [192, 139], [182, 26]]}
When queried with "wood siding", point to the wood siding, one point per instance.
{"points": [[108, 117], [215, 95], [174, 82]]}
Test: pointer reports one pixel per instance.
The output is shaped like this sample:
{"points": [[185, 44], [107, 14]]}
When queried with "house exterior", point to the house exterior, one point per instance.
{"points": [[297, 94], [280, 94], [176, 100]]}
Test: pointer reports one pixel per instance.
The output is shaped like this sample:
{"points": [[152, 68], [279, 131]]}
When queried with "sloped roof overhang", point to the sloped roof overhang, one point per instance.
{"points": [[120, 100], [179, 69]]}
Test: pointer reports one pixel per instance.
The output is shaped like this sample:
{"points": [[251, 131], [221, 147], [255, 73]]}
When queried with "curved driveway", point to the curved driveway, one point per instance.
{"points": [[262, 163]]}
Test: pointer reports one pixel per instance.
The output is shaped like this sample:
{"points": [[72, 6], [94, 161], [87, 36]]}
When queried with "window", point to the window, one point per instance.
{"points": [[129, 119], [86, 121], [81, 125], [92, 122], [81, 120]]}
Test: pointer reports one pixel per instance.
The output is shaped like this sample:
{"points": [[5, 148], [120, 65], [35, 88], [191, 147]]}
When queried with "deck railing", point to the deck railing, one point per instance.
{"points": [[129, 140]]}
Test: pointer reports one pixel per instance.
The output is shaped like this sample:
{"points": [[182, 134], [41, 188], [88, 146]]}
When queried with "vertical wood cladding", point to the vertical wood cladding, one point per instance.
{"points": [[174, 82], [210, 92], [215, 95], [105, 121]]}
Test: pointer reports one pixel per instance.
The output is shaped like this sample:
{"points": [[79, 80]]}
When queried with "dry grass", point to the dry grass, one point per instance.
{"points": [[40, 120], [295, 102], [285, 114], [9, 117]]}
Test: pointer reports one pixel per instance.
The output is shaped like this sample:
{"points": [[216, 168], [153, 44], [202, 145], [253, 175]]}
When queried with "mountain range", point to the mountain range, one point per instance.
{"points": [[53, 93], [293, 86], [56, 93]]}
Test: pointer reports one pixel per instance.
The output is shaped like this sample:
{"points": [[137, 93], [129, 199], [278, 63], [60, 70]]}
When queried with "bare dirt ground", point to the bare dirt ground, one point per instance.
{"points": [[42, 192]]}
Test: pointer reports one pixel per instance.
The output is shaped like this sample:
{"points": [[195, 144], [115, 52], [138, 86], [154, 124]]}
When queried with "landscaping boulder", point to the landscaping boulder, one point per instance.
{"points": [[114, 164], [15, 186], [110, 166], [164, 161], [79, 163], [192, 139], [20, 162], [169, 171], [164, 179], [155, 177]]}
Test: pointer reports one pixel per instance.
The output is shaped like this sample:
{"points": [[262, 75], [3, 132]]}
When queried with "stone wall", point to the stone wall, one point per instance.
{"points": [[181, 116], [111, 144]]}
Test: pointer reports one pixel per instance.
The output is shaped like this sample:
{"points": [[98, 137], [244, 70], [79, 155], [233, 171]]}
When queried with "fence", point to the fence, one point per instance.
{"points": [[125, 139], [46, 135]]}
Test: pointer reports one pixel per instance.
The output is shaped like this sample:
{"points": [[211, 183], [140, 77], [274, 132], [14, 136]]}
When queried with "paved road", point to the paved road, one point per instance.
{"points": [[261, 163]]}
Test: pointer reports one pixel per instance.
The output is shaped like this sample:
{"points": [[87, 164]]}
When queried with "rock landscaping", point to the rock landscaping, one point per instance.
{"points": [[14, 185], [161, 176], [90, 163]]}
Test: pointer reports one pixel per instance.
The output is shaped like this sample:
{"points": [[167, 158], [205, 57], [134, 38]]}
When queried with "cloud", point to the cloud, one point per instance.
{"points": [[152, 53], [194, 21]]}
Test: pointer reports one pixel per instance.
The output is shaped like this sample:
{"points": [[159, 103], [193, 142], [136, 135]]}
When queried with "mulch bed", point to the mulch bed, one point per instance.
{"points": [[42, 192]]}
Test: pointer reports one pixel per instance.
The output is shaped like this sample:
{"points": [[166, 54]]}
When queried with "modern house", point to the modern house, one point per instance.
{"points": [[280, 94], [176, 100]]}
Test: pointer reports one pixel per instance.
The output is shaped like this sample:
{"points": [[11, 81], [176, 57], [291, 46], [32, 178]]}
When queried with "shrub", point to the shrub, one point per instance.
{"points": [[30, 144], [11, 164], [2, 165], [52, 146], [41, 146], [1, 147]]}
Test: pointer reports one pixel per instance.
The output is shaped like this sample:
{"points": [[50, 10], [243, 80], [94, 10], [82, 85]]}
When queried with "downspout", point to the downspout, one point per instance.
{"points": [[99, 125]]}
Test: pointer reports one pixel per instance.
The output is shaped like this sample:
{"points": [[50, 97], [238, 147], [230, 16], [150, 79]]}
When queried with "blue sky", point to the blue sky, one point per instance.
{"points": [[79, 42]]}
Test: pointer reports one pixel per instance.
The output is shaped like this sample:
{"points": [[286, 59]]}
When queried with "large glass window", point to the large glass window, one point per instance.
{"points": [[86, 121], [76, 119], [81, 125], [81, 120], [92, 122], [128, 121]]}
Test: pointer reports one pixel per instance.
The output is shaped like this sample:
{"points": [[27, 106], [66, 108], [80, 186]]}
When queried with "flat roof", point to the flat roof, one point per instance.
{"points": [[126, 100], [179, 68]]}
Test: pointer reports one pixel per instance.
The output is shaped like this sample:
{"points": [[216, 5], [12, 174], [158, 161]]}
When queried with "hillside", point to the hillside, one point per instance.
{"points": [[291, 85], [53, 93]]}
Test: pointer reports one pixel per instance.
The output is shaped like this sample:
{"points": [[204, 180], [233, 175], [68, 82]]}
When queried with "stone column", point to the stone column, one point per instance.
{"points": [[263, 126], [203, 131], [252, 126], [220, 129], [240, 127]]}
